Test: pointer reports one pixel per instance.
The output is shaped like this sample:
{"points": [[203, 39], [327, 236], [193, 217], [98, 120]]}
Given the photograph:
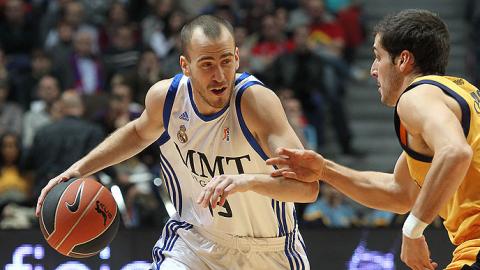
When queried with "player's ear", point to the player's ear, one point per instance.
{"points": [[405, 61], [184, 64], [237, 59]]}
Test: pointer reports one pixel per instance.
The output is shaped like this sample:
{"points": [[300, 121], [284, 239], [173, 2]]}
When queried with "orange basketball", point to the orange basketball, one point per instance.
{"points": [[79, 217]]}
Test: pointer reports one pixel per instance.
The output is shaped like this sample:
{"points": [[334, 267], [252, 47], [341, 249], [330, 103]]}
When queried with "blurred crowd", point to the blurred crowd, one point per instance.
{"points": [[73, 71]]}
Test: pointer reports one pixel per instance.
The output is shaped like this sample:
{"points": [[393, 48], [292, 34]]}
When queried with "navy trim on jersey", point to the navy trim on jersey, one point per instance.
{"points": [[169, 99], [281, 229], [288, 254], [163, 138], [295, 231], [242, 77], [169, 179], [205, 118], [171, 237], [465, 117], [167, 182], [176, 183], [246, 132], [299, 237]]}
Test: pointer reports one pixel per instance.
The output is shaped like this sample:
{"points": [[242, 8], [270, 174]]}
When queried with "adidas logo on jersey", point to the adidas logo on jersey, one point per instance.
{"points": [[184, 116]]}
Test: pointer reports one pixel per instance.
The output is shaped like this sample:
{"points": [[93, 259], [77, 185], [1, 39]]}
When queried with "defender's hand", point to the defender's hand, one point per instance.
{"points": [[53, 182], [221, 186], [415, 254], [299, 164]]}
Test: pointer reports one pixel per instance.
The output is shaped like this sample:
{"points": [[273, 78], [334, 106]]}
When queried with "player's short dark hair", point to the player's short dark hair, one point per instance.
{"points": [[210, 25], [422, 33]]}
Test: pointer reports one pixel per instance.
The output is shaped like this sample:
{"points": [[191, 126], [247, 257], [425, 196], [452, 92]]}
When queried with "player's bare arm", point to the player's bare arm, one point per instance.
{"points": [[436, 122], [265, 118], [385, 191], [122, 144]]}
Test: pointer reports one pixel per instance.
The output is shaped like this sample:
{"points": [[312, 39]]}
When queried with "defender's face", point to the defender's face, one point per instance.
{"points": [[386, 73], [211, 66]]}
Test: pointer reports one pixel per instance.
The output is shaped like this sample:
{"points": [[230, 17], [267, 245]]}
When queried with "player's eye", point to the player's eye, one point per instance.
{"points": [[206, 65]]}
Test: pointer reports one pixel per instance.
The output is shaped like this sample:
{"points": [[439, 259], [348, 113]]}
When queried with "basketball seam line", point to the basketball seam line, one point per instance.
{"points": [[98, 235], [56, 211], [79, 219]]}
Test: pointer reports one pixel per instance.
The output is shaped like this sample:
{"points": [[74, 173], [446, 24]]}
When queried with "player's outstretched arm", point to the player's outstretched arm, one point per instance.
{"points": [[122, 144], [391, 192], [266, 120]]}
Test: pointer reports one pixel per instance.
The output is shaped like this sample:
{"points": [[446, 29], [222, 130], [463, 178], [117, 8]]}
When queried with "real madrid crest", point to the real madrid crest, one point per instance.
{"points": [[182, 134]]}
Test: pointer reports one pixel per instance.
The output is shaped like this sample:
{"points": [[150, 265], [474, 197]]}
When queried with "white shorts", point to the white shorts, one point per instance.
{"points": [[187, 247]]}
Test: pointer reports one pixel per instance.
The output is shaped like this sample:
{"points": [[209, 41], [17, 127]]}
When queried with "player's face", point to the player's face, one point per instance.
{"points": [[386, 73], [211, 66]]}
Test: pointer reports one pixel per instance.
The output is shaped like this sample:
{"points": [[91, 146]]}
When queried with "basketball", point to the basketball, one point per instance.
{"points": [[79, 217]]}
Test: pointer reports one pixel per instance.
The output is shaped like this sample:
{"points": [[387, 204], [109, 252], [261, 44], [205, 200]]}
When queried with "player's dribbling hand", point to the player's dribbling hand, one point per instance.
{"points": [[218, 189], [415, 254], [53, 182], [299, 164]]}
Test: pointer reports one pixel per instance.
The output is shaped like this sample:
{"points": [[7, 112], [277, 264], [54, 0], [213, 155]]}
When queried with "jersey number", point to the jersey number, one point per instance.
{"points": [[227, 213]]}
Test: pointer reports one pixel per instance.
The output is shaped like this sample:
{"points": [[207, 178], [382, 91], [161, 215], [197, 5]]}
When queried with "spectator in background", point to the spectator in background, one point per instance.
{"points": [[17, 34], [170, 65], [58, 145], [121, 109], [117, 16], [147, 73], [331, 209], [325, 31], [156, 21], [272, 42], [4, 74], [163, 41], [25, 84], [39, 115], [73, 14], [14, 186], [85, 71], [123, 54], [306, 73], [10, 112], [62, 50]]}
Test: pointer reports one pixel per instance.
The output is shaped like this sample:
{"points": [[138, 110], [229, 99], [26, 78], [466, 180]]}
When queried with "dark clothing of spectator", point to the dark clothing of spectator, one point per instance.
{"points": [[58, 145], [306, 74]]}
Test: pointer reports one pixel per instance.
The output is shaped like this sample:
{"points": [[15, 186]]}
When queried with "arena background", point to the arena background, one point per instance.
{"points": [[373, 134], [352, 249]]}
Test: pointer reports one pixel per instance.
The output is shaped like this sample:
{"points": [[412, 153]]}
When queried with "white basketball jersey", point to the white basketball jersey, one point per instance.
{"points": [[196, 147]]}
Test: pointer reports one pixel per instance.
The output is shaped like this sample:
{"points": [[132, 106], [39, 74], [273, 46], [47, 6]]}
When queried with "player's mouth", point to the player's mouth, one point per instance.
{"points": [[218, 91]]}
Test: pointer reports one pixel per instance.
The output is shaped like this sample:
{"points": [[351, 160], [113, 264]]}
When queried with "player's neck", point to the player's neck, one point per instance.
{"points": [[409, 79]]}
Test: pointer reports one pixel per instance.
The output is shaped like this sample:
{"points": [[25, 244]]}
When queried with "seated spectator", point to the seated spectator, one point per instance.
{"points": [[148, 72], [272, 43], [123, 54], [117, 17], [17, 34], [163, 41], [48, 91], [10, 112], [58, 145], [331, 209], [14, 186], [73, 14], [121, 108], [85, 71], [25, 84]]}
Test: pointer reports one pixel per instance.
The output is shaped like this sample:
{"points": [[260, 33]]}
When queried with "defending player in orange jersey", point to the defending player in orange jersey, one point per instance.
{"points": [[437, 119]]}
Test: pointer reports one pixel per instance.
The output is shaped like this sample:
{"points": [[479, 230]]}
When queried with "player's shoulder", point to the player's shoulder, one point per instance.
{"points": [[157, 94], [259, 95]]}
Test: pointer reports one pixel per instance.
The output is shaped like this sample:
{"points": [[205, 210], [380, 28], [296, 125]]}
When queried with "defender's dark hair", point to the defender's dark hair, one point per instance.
{"points": [[210, 25], [422, 33]]}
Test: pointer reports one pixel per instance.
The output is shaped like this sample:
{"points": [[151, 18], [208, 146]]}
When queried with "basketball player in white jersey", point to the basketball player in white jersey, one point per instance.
{"points": [[212, 122]]}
